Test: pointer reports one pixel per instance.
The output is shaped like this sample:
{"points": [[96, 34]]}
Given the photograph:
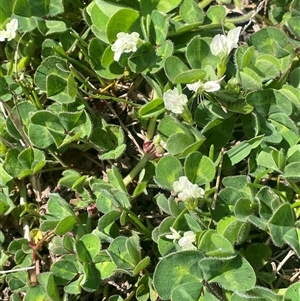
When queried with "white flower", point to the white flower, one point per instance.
{"points": [[174, 101], [209, 86], [222, 45], [2, 35], [186, 189], [186, 242], [174, 236], [126, 42], [10, 32], [11, 29]]}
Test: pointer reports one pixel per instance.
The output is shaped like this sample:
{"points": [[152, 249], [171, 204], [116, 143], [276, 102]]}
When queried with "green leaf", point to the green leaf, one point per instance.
{"points": [[257, 294], [177, 269], [267, 66], [292, 292], [191, 12], [133, 249], [6, 205], [249, 79], [73, 288], [198, 53], [71, 178], [31, 159], [280, 223], [199, 169], [115, 178], [65, 269], [87, 247], [38, 8], [91, 279], [46, 280], [55, 84], [106, 268], [55, 26], [240, 151], [229, 272], [190, 76], [36, 293], [107, 219], [143, 59], [174, 66], [119, 253], [6, 10], [161, 54], [101, 54], [178, 142], [214, 245], [270, 40], [286, 127], [234, 230], [258, 254], [58, 207], [170, 125], [65, 225], [189, 291], [143, 264], [216, 13], [168, 170], [243, 56], [152, 108], [23, 112], [47, 125], [23, 164], [158, 27], [124, 20], [164, 6]]}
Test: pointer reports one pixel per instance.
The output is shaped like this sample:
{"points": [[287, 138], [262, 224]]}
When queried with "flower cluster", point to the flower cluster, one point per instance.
{"points": [[222, 45], [10, 32], [187, 190], [125, 43], [209, 86], [174, 101], [186, 241]]}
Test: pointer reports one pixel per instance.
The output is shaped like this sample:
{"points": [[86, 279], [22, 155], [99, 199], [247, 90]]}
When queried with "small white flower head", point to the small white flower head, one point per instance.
{"points": [[10, 32], [125, 43], [222, 45], [186, 242], [174, 236], [186, 189], [2, 35], [209, 86], [174, 101]]}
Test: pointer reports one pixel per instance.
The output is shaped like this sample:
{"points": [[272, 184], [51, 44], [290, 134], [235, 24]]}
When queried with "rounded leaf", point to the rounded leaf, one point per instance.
{"points": [[177, 269], [199, 169], [168, 170]]}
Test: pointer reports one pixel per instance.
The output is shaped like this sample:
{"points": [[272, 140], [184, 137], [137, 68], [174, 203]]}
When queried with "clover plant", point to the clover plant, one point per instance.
{"points": [[149, 150]]}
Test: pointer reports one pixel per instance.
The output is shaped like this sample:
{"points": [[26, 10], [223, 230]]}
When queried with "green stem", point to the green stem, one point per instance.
{"points": [[151, 127], [187, 115], [242, 18], [136, 170], [295, 205], [75, 62], [198, 29], [108, 97], [83, 80], [295, 187], [204, 3], [138, 223], [88, 108]]}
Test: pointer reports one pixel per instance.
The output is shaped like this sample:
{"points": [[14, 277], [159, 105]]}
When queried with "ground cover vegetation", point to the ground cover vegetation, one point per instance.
{"points": [[149, 150]]}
